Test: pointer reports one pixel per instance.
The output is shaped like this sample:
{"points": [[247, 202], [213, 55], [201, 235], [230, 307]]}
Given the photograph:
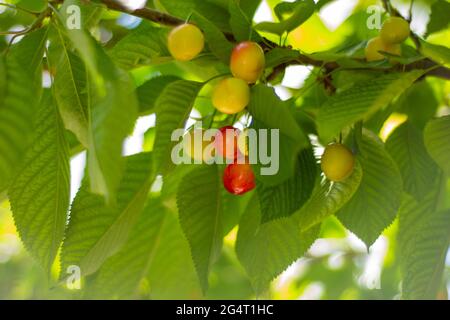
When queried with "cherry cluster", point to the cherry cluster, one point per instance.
{"points": [[230, 96], [394, 31]]}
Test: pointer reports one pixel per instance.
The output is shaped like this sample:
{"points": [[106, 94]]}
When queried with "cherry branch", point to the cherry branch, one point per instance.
{"points": [[145, 13], [169, 20]]}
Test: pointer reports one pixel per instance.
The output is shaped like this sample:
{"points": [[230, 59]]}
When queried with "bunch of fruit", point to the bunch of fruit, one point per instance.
{"points": [[232, 95], [394, 31]]}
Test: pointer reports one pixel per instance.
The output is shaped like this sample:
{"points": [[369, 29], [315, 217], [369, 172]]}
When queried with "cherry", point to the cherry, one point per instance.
{"points": [[226, 142], [247, 61], [375, 45], [239, 178], [185, 42], [337, 162], [394, 30], [231, 95]]}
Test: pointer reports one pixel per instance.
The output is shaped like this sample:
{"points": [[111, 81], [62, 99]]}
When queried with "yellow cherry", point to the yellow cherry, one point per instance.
{"points": [[231, 95], [375, 45], [394, 30], [337, 162], [185, 42]]}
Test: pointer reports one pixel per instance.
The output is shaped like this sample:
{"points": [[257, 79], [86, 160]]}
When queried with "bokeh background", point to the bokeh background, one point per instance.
{"points": [[338, 266]]}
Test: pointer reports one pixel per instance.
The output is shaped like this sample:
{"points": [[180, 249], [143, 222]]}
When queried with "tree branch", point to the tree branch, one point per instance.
{"points": [[145, 13], [169, 20], [436, 70]]}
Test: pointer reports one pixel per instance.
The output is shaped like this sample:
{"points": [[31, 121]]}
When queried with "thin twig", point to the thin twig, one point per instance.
{"points": [[34, 26]]}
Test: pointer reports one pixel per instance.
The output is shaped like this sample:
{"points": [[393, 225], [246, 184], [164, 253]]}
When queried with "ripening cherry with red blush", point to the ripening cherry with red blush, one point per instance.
{"points": [[226, 142]]}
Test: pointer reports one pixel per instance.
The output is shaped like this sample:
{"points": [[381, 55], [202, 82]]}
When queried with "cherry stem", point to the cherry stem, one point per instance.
{"points": [[216, 77], [189, 17], [234, 119], [212, 118]]}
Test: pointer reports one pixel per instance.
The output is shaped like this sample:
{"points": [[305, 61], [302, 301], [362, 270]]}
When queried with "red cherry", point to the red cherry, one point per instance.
{"points": [[239, 178], [226, 142]]}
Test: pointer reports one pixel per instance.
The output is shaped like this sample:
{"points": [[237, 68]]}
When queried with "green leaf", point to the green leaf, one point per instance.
{"points": [[171, 273], [19, 97], [149, 92], [284, 199], [249, 7], [439, 17], [327, 199], [266, 107], [29, 53], [113, 108], [423, 239], [438, 53], [321, 3], [200, 211], [267, 250], [3, 79], [157, 251], [269, 112], [437, 141], [70, 86], [284, 158], [375, 204], [96, 231], [360, 101], [172, 111], [113, 113], [145, 45], [206, 8], [120, 275], [215, 38], [240, 24], [300, 11], [412, 103], [33, 5], [171, 182], [418, 170], [80, 37], [233, 208], [278, 56], [40, 193]]}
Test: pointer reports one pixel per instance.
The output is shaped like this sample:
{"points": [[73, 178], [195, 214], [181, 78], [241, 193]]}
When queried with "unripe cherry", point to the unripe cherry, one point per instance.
{"points": [[337, 162], [394, 30], [375, 45], [185, 42], [247, 61], [231, 95]]}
